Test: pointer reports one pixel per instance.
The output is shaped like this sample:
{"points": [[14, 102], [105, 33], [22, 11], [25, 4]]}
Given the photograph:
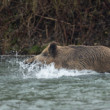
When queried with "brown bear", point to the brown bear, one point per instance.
{"points": [[81, 57]]}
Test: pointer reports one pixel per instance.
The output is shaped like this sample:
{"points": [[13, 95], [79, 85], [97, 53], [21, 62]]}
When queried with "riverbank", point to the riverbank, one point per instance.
{"points": [[26, 27]]}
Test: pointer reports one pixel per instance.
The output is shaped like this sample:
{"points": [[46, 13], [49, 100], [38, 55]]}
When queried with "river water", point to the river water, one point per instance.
{"points": [[29, 87]]}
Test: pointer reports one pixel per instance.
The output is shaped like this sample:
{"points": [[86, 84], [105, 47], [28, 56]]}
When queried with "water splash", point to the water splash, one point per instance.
{"points": [[49, 71], [16, 54]]}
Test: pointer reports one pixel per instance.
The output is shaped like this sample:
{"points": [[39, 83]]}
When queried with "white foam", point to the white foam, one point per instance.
{"points": [[49, 71]]}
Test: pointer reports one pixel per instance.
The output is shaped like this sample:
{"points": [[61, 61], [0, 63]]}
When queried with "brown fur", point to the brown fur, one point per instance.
{"points": [[76, 57]]}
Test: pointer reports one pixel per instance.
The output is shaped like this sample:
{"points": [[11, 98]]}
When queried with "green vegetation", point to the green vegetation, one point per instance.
{"points": [[27, 25], [36, 49]]}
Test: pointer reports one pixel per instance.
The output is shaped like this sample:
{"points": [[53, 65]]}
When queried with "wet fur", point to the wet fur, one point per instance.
{"points": [[87, 57], [95, 58]]}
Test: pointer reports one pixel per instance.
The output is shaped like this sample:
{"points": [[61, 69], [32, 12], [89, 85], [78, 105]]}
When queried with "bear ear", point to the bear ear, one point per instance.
{"points": [[53, 49]]}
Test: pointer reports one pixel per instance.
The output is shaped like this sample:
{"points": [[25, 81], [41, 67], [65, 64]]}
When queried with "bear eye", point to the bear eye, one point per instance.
{"points": [[45, 54]]}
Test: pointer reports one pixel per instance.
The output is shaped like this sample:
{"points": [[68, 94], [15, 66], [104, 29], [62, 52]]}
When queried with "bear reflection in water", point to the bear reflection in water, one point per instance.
{"points": [[95, 58]]}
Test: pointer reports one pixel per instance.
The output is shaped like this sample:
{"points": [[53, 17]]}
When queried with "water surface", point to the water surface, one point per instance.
{"points": [[29, 87]]}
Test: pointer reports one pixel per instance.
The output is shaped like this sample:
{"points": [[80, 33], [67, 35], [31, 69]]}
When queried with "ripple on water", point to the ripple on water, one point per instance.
{"points": [[29, 87]]}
